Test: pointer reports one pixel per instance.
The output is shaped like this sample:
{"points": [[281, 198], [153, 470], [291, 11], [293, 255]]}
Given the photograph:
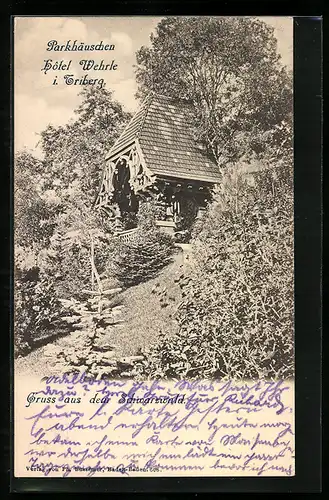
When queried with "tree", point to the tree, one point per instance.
{"points": [[54, 214], [73, 159], [74, 153], [230, 70], [33, 215], [68, 174]]}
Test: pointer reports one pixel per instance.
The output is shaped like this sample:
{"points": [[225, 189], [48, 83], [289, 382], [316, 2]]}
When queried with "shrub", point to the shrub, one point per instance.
{"points": [[236, 317], [36, 308], [141, 259], [145, 255], [68, 256]]}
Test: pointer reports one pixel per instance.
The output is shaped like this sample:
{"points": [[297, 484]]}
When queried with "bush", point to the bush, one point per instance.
{"points": [[141, 259], [67, 260], [36, 308], [145, 255], [236, 317], [68, 257]]}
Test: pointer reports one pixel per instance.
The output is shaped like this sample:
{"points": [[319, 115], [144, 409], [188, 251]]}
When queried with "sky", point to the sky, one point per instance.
{"points": [[37, 102]]}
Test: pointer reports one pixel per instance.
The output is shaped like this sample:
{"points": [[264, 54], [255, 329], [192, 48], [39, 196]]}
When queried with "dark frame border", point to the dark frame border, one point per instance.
{"points": [[308, 247]]}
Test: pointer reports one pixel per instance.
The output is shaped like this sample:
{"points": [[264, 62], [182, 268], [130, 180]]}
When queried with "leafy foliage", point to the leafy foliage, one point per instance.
{"points": [[62, 185], [34, 222], [36, 308], [142, 258], [145, 255], [54, 218], [74, 153], [68, 257], [236, 316], [230, 70]]}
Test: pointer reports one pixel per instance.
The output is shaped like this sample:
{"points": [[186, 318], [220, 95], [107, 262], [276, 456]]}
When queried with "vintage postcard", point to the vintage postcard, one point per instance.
{"points": [[154, 247]]}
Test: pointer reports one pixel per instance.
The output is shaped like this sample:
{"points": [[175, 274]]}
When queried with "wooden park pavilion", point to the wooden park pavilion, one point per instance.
{"points": [[157, 157]]}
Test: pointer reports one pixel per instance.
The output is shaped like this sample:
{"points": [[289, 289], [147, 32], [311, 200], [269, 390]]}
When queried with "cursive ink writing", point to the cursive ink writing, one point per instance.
{"points": [[185, 428]]}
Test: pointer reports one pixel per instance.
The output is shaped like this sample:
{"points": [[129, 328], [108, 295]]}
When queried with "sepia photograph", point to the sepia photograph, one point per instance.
{"points": [[154, 244]]}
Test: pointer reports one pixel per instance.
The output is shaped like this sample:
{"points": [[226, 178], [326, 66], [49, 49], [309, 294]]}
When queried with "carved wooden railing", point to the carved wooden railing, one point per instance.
{"points": [[128, 235]]}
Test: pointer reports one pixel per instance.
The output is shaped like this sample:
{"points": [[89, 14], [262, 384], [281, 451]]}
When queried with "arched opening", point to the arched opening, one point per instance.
{"points": [[124, 196]]}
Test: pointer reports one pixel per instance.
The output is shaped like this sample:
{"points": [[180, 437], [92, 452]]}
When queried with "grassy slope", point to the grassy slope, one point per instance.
{"points": [[144, 315], [149, 310]]}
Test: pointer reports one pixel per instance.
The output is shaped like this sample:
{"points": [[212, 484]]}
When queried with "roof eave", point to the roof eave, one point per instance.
{"points": [[192, 177]]}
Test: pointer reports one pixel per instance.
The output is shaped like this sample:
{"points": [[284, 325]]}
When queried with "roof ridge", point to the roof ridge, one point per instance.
{"points": [[140, 109], [147, 102]]}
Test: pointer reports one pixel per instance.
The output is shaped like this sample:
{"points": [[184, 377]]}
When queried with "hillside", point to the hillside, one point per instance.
{"points": [[148, 310]]}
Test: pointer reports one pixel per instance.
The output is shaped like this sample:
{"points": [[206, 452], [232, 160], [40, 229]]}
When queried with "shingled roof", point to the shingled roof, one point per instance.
{"points": [[163, 129]]}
